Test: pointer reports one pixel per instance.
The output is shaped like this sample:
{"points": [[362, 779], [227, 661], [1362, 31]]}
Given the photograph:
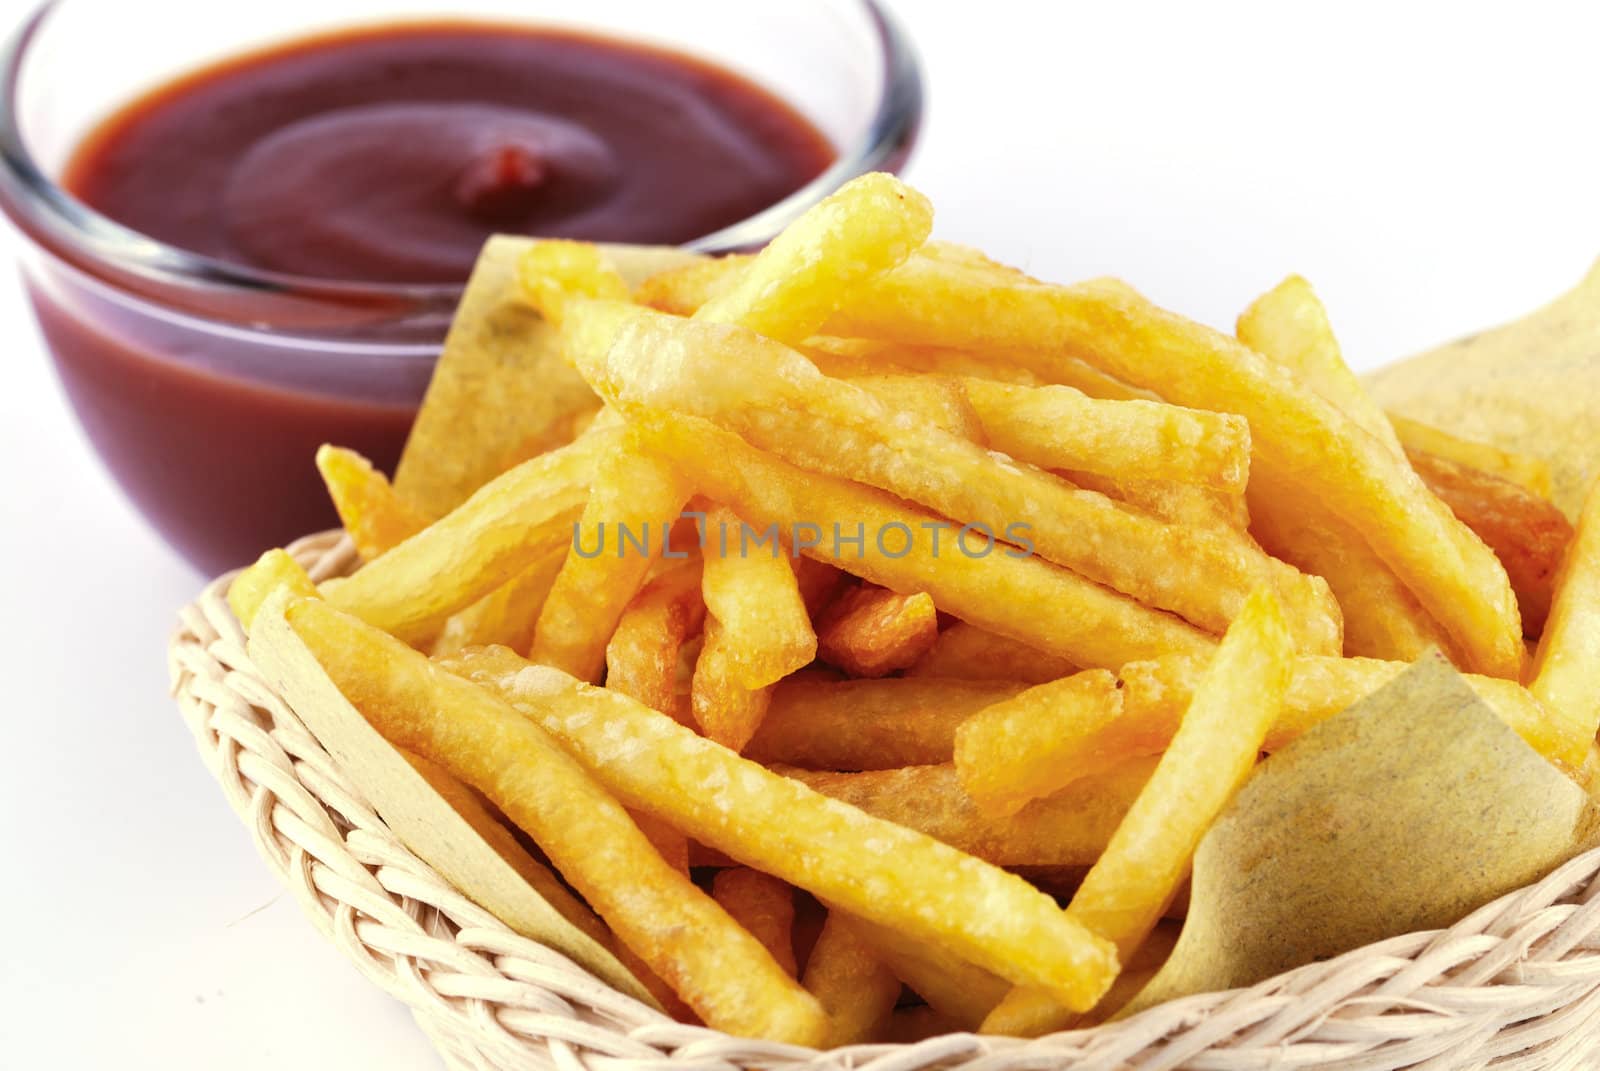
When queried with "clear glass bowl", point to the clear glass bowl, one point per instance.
{"points": [[206, 387]]}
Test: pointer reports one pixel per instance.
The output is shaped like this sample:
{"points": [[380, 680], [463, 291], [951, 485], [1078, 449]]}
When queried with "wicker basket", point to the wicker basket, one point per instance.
{"points": [[1515, 985]]}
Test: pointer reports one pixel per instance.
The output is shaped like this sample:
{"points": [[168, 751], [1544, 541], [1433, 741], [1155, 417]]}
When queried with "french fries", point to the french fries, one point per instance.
{"points": [[374, 516], [871, 631], [1216, 746], [761, 904], [643, 655], [1022, 597], [1292, 428], [507, 525], [925, 890], [1069, 828], [688, 940], [776, 400], [1058, 427], [869, 724], [969, 653], [984, 595], [1006, 754], [1564, 676], [633, 501], [850, 981]]}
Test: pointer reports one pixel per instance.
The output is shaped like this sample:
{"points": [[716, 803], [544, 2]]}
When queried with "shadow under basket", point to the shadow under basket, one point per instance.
{"points": [[1514, 985]]}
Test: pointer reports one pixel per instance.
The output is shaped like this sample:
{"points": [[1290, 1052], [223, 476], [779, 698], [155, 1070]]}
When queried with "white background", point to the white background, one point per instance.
{"points": [[1431, 169]]}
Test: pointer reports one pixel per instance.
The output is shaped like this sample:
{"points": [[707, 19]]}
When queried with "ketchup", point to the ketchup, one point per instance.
{"points": [[389, 155], [383, 155]]}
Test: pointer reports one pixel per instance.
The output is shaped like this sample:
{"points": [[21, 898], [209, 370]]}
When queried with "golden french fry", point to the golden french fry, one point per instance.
{"points": [[777, 400], [865, 228], [642, 657], [507, 615], [1058, 427], [852, 358], [938, 401], [1215, 749], [1527, 532], [633, 502], [374, 516], [871, 631], [1566, 675], [1382, 618], [722, 972], [918, 886], [969, 653], [869, 724], [1070, 828], [1155, 694], [819, 583], [682, 289], [763, 905], [726, 710], [851, 983], [1175, 503], [1289, 325], [511, 522], [1022, 597], [273, 570], [1524, 470], [957, 989], [552, 271], [1293, 430], [1007, 755], [673, 846], [751, 591]]}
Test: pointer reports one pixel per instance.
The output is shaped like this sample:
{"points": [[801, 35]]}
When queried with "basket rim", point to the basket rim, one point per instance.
{"points": [[1519, 978]]}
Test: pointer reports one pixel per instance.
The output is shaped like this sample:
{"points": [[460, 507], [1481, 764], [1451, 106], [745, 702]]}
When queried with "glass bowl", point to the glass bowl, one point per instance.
{"points": [[206, 387]]}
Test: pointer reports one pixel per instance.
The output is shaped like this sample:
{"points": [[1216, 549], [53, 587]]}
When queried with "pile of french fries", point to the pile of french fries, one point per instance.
{"points": [[872, 661]]}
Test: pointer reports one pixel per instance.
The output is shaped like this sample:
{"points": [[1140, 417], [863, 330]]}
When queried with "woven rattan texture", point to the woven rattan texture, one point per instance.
{"points": [[1514, 986]]}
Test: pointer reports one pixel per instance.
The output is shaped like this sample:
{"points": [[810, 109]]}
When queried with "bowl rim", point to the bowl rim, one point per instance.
{"points": [[66, 227]]}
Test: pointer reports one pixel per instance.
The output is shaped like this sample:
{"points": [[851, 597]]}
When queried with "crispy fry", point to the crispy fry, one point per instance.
{"points": [[851, 983], [1059, 427], [851, 358], [1524, 470], [750, 589], [273, 570], [763, 905], [865, 228], [376, 518], [1175, 503], [508, 614], [722, 972], [1382, 618], [507, 525], [777, 400], [1155, 694], [1070, 828], [869, 724], [1566, 676], [871, 631], [1289, 325], [553, 271], [726, 710], [938, 401], [1006, 754], [1527, 532], [967, 652], [1293, 430], [1022, 597], [958, 990], [633, 502], [642, 657], [1215, 749], [921, 888]]}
